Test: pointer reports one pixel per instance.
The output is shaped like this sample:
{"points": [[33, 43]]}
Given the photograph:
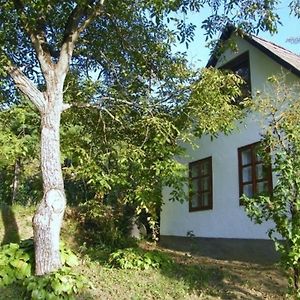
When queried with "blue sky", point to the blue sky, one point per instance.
{"points": [[198, 54]]}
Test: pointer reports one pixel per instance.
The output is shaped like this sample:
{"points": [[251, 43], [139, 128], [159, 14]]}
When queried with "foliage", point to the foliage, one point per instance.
{"points": [[280, 110], [104, 225], [131, 107], [17, 265], [19, 128], [15, 262], [63, 284], [129, 160], [68, 258], [136, 258], [210, 106], [19, 140]]}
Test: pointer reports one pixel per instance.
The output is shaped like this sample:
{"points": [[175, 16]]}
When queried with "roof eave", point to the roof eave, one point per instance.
{"points": [[272, 55]]}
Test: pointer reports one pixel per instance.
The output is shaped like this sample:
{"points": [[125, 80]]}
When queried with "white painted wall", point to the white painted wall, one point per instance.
{"points": [[227, 219]]}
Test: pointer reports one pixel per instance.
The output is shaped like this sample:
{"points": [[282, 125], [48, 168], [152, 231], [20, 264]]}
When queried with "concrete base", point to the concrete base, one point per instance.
{"points": [[246, 250]]}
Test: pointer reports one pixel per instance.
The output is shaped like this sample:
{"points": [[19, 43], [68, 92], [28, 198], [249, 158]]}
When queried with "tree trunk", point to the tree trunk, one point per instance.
{"points": [[48, 217], [16, 181]]}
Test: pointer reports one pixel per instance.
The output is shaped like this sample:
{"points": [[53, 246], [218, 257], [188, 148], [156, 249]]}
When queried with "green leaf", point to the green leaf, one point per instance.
{"points": [[72, 260]]}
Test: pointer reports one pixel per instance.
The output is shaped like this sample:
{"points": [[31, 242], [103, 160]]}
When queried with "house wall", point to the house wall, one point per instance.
{"points": [[227, 219]]}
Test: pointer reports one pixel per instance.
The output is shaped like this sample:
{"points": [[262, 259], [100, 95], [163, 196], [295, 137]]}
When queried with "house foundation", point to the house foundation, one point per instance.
{"points": [[245, 250]]}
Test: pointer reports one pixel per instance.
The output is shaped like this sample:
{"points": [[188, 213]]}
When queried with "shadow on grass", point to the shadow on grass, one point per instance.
{"points": [[202, 280], [11, 229], [216, 280], [195, 277]]}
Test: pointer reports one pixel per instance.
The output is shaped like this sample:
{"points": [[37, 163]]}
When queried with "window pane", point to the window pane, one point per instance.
{"points": [[246, 157], [247, 174], [262, 187], [248, 190], [195, 186], [204, 184], [194, 200], [260, 172], [205, 199], [204, 168], [194, 170]]}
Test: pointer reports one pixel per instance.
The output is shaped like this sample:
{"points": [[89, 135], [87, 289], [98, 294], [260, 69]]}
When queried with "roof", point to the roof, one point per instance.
{"points": [[282, 56]]}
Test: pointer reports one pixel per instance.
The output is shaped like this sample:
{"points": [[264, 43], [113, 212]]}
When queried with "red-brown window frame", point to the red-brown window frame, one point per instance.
{"points": [[253, 163], [210, 184]]}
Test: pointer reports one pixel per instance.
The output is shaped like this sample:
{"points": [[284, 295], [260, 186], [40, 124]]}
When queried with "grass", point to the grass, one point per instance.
{"points": [[188, 277]]}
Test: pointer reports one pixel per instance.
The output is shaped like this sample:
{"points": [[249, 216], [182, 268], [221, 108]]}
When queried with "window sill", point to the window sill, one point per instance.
{"points": [[200, 209]]}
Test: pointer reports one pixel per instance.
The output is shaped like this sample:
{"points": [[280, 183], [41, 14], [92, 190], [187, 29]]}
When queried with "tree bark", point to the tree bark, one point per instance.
{"points": [[47, 220], [16, 181]]}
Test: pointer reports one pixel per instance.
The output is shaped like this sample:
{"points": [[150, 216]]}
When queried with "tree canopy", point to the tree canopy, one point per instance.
{"points": [[123, 44]]}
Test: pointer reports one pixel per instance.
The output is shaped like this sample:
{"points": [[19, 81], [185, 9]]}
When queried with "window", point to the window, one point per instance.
{"points": [[241, 66], [255, 177], [200, 175]]}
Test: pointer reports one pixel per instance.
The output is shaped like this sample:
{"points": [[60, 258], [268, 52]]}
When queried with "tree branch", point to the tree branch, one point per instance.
{"points": [[275, 124], [87, 105], [94, 105], [73, 29], [37, 37], [26, 86]]}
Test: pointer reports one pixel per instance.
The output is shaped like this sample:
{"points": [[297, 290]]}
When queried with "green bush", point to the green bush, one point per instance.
{"points": [[105, 225], [17, 265], [16, 261], [63, 284], [135, 258]]}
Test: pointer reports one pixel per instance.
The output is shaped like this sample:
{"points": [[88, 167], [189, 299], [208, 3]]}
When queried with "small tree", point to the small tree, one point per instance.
{"points": [[280, 110]]}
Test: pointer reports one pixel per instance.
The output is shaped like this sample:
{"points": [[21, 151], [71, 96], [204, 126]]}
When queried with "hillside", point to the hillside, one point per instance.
{"points": [[189, 277]]}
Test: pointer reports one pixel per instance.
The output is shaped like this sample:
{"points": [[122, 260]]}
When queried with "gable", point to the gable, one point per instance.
{"points": [[285, 58], [262, 65]]}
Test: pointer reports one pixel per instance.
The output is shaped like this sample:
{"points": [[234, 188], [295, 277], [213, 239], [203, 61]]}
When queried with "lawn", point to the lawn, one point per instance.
{"points": [[188, 277]]}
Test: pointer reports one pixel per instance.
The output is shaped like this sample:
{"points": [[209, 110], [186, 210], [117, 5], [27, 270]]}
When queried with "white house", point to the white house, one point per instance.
{"points": [[224, 168]]}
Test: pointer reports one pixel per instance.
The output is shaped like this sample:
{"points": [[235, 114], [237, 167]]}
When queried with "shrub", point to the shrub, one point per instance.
{"points": [[104, 224], [63, 284], [16, 261], [17, 265], [135, 258]]}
